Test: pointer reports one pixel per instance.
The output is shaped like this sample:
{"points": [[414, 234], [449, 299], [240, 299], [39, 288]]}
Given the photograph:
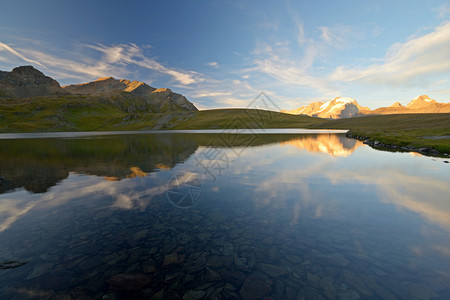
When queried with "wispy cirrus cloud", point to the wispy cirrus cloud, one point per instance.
{"points": [[294, 64], [4, 47], [114, 60], [132, 54], [278, 63], [213, 64], [404, 62], [420, 59], [211, 94]]}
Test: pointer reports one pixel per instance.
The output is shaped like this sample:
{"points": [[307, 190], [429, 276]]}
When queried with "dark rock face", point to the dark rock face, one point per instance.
{"points": [[26, 81], [3, 74]]}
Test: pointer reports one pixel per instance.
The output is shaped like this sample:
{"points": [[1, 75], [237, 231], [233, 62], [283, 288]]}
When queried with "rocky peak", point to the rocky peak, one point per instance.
{"points": [[110, 85], [396, 104], [105, 78], [26, 70], [27, 75], [26, 81], [106, 86], [420, 101], [422, 98], [162, 90]]}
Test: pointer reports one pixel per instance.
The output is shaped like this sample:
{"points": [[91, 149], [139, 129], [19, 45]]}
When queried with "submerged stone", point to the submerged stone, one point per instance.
{"points": [[194, 295], [129, 282], [273, 270], [255, 287]]}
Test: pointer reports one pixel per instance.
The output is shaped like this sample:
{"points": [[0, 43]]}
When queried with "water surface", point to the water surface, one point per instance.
{"points": [[221, 216]]}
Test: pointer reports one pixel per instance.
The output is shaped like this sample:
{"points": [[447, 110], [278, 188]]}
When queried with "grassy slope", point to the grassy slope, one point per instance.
{"points": [[74, 113], [245, 118], [70, 113]]}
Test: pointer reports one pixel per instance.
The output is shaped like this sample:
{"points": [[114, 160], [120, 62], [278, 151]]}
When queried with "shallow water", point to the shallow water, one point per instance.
{"points": [[221, 216]]}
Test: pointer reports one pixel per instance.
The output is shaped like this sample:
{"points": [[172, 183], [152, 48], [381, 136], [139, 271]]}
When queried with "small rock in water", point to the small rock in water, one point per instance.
{"points": [[11, 264], [255, 287], [215, 261], [273, 270], [140, 234], [233, 276], [348, 295], [194, 295], [338, 259], [129, 282], [171, 259], [212, 275], [294, 259], [40, 270]]}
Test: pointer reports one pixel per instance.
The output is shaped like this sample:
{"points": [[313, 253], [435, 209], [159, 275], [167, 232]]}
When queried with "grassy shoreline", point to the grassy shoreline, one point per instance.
{"points": [[405, 130]]}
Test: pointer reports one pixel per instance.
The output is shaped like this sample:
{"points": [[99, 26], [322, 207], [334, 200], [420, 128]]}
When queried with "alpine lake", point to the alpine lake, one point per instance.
{"points": [[255, 214]]}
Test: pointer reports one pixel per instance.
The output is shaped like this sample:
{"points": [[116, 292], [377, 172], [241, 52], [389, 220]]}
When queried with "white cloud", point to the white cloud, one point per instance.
{"points": [[4, 47], [114, 61], [72, 68], [421, 60], [294, 65], [213, 64], [325, 33], [404, 62], [211, 94], [132, 54], [223, 93], [301, 32], [235, 102], [278, 64]]}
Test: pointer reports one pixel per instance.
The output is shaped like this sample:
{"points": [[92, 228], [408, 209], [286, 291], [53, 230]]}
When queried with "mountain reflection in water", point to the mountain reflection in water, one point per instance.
{"points": [[38, 164], [333, 144]]}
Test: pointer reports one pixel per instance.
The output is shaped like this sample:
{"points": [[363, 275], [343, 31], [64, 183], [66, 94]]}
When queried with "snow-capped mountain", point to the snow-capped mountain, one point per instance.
{"points": [[338, 108], [344, 107]]}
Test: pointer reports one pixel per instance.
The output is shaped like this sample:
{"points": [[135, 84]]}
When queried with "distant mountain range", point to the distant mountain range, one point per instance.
{"points": [[26, 82], [135, 96], [340, 108]]}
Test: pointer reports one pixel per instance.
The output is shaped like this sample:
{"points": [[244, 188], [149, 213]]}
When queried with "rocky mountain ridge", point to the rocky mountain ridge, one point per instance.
{"points": [[342, 107], [27, 82]]}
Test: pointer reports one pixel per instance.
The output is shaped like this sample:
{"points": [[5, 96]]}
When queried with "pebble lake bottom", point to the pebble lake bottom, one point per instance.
{"points": [[200, 216]]}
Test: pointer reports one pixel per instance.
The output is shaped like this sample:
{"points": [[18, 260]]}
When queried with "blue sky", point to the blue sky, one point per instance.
{"points": [[224, 53]]}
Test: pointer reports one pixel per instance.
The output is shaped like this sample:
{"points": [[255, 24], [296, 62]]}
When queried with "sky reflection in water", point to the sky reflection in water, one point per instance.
{"points": [[345, 210]]}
